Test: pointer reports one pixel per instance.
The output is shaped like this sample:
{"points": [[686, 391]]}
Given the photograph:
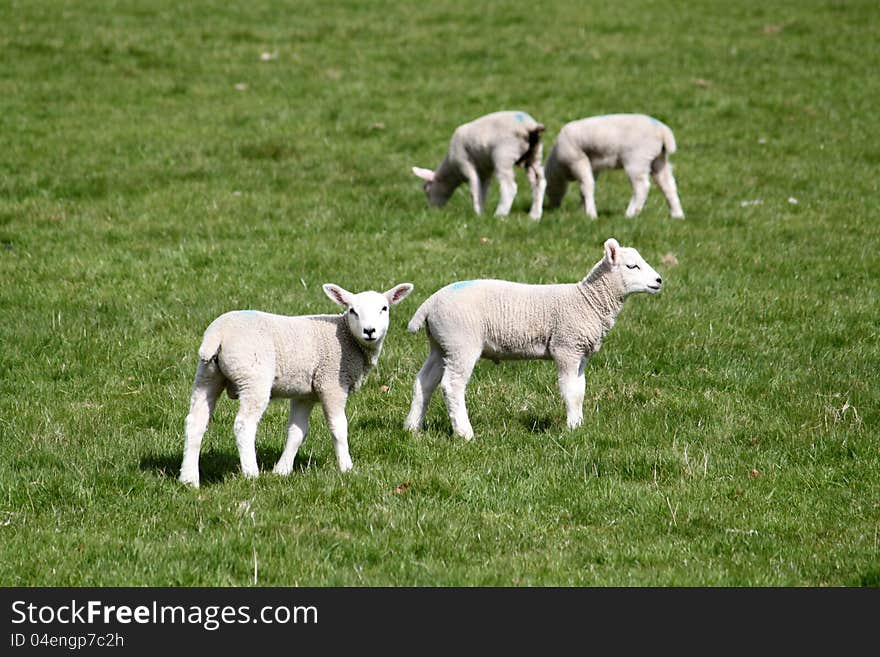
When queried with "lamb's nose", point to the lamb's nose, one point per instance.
{"points": [[369, 332], [659, 281]]}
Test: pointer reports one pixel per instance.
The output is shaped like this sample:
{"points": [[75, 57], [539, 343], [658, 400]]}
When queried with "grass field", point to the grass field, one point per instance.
{"points": [[156, 171]]}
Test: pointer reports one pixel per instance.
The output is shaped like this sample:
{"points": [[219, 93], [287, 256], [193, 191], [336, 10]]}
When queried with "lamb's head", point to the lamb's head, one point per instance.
{"points": [[366, 313], [631, 270], [436, 192]]}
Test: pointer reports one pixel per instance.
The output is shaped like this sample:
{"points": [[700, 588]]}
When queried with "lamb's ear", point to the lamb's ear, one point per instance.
{"points": [[612, 251], [424, 174], [398, 293], [337, 294]]}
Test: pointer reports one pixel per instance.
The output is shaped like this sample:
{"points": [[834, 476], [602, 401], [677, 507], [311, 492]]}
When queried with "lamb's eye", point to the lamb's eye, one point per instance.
{"points": [[351, 310], [384, 309], [632, 267]]}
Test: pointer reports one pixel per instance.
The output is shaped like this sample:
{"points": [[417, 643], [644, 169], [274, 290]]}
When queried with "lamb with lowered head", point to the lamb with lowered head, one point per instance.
{"points": [[495, 143]]}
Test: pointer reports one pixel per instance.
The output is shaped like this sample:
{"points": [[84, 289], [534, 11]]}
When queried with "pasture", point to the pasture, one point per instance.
{"points": [[163, 162]]}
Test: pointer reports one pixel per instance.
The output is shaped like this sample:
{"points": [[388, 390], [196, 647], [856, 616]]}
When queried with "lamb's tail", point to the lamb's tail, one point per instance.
{"points": [[534, 137], [668, 140], [210, 344], [418, 319]]}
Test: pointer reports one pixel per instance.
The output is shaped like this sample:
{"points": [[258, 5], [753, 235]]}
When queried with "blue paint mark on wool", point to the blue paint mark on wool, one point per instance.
{"points": [[461, 284], [522, 116]]}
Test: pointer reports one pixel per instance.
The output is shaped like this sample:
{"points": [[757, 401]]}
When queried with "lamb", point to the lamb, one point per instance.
{"points": [[259, 356], [502, 320], [639, 144], [494, 142]]}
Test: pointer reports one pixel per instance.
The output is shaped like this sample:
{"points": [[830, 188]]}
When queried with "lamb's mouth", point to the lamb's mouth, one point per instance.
{"points": [[656, 288]]}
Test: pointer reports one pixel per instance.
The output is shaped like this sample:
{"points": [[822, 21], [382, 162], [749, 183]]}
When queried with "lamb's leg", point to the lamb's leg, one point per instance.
{"points": [[638, 176], [538, 182], [252, 406], [425, 384], [556, 187], [507, 182], [557, 177], [474, 184], [334, 411], [206, 389], [572, 384], [457, 372], [582, 171], [662, 172], [297, 430], [484, 190]]}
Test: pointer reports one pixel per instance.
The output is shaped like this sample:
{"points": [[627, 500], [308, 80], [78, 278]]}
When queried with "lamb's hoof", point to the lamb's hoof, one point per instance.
{"points": [[574, 423], [678, 215], [345, 465], [282, 470], [250, 474], [468, 434], [412, 427], [536, 216], [189, 480]]}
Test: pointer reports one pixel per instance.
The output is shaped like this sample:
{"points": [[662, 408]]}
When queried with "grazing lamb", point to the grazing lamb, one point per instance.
{"points": [[500, 320], [639, 144], [258, 356], [495, 142]]}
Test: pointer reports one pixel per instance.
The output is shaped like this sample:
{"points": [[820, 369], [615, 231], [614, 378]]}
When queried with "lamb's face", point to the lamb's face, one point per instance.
{"points": [[367, 317], [638, 275], [436, 193], [429, 184], [635, 274], [366, 313]]}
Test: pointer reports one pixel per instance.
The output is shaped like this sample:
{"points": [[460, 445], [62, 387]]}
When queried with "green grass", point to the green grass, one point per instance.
{"points": [[142, 194]]}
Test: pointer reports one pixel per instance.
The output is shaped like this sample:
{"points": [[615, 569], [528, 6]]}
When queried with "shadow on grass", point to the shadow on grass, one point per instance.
{"points": [[575, 206], [870, 578], [536, 424], [371, 423], [440, 425], [214, 466]]}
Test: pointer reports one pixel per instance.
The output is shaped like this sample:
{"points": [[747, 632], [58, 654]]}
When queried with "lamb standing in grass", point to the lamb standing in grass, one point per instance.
{"points": [[639, 144], [258, 356], [500, 320], [495, 142]]}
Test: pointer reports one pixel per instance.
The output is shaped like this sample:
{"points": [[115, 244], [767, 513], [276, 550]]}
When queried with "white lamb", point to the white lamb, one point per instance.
{"points": [[492, 143], [258, 356], [639, 144], [501, 320]]}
